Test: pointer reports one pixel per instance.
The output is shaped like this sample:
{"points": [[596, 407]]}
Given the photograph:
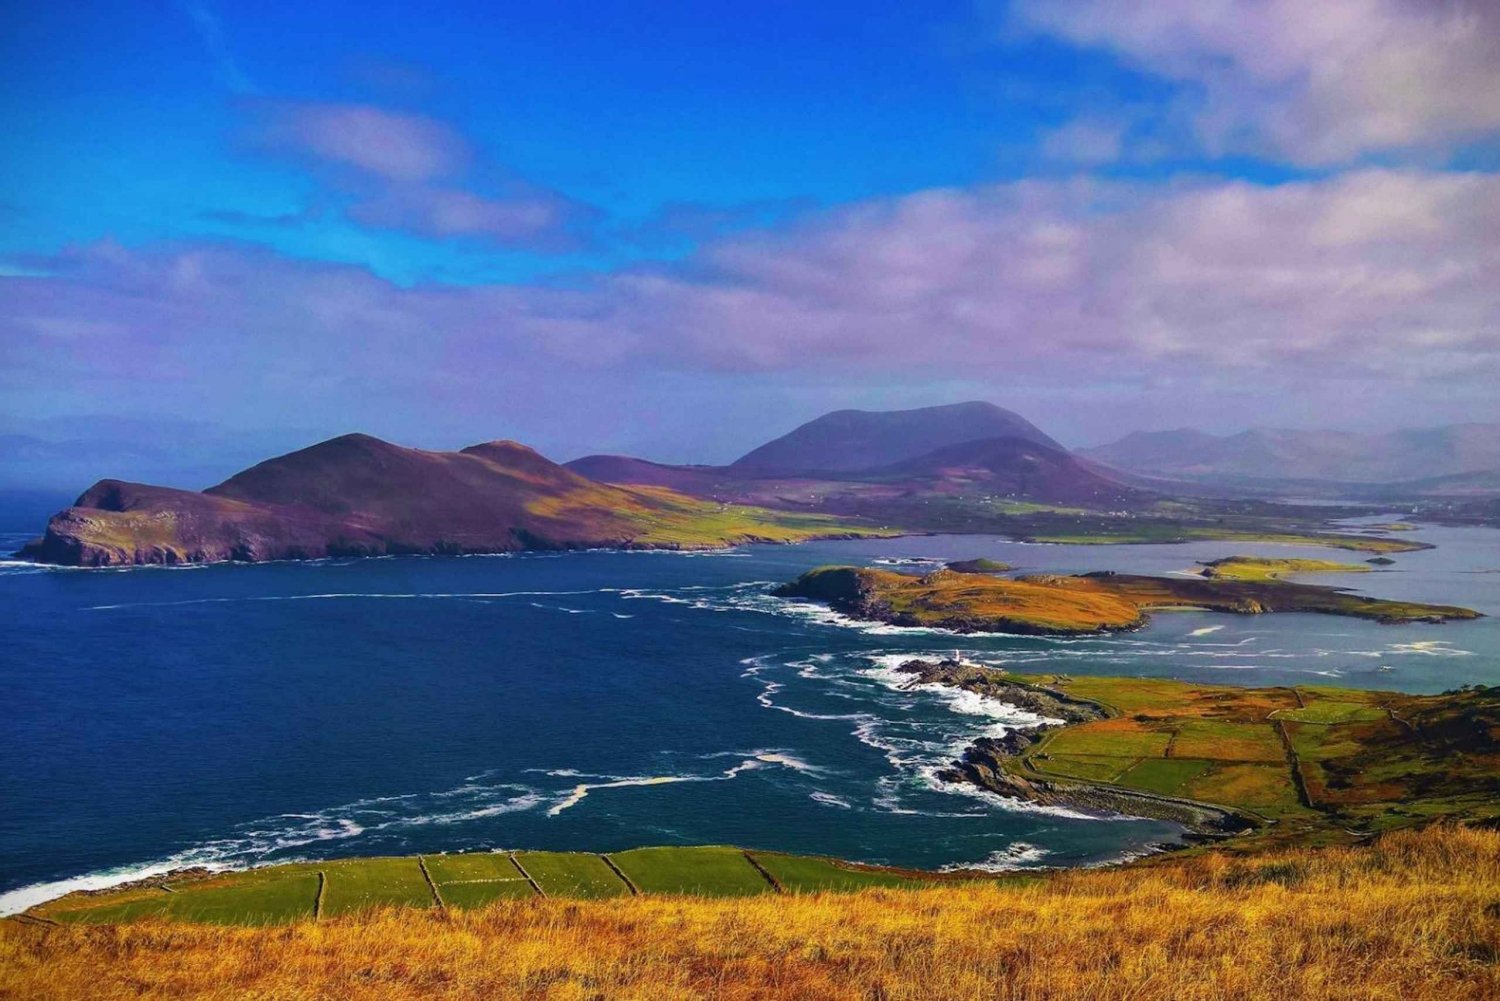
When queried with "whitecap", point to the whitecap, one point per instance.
{"points": [[1018, 855]]}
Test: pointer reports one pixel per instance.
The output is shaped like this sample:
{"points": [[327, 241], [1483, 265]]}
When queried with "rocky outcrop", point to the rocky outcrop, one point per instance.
{"points": [[995, 685], [991, 763], [984, 764], [980, 566]]}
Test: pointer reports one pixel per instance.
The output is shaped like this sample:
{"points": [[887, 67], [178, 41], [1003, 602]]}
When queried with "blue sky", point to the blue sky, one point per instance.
{"points": [[663, 228], [629, 107]]}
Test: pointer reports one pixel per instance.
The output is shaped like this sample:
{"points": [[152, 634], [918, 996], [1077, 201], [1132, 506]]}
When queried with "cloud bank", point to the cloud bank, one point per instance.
{"points": [[1311, 81], [1388, 277]]}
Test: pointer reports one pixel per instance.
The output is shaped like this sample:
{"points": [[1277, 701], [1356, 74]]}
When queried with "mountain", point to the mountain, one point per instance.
{"points": [[881, 464], [854, 440], [1012, 468], [1328, 456], [358, 495]]}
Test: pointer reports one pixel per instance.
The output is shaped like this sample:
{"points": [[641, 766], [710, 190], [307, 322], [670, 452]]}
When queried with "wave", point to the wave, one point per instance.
{"points": [[757, 760], [829, 799], [268, 840], [1429, 648], [1020, 855]]}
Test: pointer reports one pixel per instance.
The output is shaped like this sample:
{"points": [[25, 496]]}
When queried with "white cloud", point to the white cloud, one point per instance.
{"points": [[1387, 278], [417, 174], [1315, 81]]}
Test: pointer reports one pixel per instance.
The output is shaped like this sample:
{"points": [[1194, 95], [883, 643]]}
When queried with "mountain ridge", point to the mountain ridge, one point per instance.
{"points": [[1407, 454]]}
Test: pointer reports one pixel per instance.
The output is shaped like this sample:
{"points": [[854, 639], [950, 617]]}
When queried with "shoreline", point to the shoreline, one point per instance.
{"points": [[996, 764]]}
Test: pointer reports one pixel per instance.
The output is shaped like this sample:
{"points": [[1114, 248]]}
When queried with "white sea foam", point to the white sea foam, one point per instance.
{"points": [[1205, 630], [829, 799], [1129, 855], [269, 839], [1019, 855], [1430, 648], [26, 897], [756, 759]]}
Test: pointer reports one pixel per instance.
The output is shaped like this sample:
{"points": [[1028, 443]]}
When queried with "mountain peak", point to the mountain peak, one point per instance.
{"points": [[853, 440]]}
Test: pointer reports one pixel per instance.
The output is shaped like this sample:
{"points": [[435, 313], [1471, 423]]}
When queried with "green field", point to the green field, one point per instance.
{"points": [[711, 870], [306, 890], [572, 874], [1164, 775], [1331, 711], [473, 880], [1321, 762], [808, 874], [356, 884], [469, 867], [260, 896]]}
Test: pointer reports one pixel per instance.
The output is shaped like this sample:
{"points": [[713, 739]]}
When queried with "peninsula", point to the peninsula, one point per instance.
{"points": [[1294, 765], [1052, 604], [360, 496]]}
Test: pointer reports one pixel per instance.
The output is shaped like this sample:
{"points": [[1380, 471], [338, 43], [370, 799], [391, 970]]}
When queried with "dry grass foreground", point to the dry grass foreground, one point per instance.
{"points": [[1414, 916]]}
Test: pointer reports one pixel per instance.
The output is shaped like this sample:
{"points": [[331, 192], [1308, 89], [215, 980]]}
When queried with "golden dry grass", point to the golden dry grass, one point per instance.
{"points": [[1415, 916]]}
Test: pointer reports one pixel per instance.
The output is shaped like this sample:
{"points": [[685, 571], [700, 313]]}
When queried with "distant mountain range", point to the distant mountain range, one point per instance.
{"points": [[1328, 456], [947, 468]]}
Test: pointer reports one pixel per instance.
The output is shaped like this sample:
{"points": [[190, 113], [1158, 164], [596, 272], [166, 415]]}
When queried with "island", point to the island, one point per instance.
{"points": [[1265, 568], [1056, 604]]}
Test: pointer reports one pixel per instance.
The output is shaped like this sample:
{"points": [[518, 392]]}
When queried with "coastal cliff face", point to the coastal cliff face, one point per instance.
{"points": [[360, 496]]}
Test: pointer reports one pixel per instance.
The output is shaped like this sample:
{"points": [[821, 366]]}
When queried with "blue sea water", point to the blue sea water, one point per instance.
{"points": [[238, 715]]}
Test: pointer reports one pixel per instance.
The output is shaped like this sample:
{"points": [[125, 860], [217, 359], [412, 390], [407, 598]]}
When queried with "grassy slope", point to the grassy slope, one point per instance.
{"points": [[1413, 916]]}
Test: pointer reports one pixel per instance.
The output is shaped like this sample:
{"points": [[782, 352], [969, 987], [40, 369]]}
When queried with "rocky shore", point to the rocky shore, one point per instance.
{"points": [[995, 763]]}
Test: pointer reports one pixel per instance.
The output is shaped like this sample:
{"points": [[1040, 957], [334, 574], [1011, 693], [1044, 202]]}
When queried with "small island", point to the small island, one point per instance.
{"points": [[1055, 604], [1266, 568], [979, 566]]}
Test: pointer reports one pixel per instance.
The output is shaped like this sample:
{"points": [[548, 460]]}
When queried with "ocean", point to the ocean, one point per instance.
{"points": [[238, 715]]}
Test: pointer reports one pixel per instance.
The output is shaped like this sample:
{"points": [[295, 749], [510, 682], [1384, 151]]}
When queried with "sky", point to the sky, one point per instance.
{"points": [[677, 229]]}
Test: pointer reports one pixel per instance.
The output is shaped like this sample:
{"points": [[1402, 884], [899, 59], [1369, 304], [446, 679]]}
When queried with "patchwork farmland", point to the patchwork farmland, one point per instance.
{"points": [[323, 890]]}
